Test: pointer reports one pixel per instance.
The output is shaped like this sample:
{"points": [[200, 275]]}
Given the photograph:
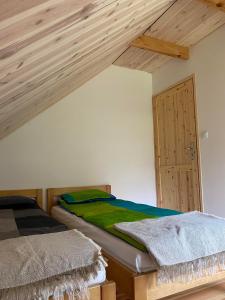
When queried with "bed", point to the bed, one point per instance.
{"points": [[36, 221], [134, 273]]}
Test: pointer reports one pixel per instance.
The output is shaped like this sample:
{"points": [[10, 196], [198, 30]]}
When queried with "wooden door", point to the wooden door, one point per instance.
{"points": [[176, 148]]}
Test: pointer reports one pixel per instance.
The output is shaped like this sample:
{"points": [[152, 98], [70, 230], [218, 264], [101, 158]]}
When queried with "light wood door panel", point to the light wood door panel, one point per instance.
{"points": [[176, 148]]}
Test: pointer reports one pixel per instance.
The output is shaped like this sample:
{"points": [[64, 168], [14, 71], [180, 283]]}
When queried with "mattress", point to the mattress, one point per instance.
{"points": [[126, 254]]}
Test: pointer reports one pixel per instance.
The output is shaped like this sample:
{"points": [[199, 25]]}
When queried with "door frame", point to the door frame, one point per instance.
{"points": [[155, 126]]}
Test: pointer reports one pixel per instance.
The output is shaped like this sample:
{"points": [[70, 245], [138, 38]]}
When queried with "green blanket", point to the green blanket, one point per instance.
{"points": [[104, 214]]}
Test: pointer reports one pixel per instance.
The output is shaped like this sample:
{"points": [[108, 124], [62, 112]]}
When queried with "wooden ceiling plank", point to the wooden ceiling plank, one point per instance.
{"points": [[139, 54], [90, 56], [57, 42], [82, 15], [142, 66], [61, 54], [155, 63], [171, 17], [61, 80], [53, 96], [23, 97], [16, 7], [12, 50], [75, 67], [49, 5], [42, 20], [45, 44], [185, 23], [74, 19], [57, 60], [220, 4], [162, 47], [179, 22], [202, 30], [24, 50]]}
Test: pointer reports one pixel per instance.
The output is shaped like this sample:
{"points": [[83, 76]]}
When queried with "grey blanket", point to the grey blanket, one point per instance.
{"points": [[185, 246], [40, 266], [14, 223]]}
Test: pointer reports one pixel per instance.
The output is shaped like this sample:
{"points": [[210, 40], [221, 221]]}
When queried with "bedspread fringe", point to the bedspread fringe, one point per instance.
{"points": [[190, 271], [73, 284]]}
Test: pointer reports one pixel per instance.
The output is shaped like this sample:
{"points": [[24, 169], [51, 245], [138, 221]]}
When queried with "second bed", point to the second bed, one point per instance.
{"points": [[134, 271]]}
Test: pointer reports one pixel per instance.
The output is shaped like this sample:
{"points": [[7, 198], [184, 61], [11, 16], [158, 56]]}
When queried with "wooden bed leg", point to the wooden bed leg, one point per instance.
{"points": [[108, 291], [141, 287], [95, 292]]}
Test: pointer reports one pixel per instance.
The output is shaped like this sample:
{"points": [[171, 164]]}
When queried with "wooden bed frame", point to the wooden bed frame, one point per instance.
{"points": [[105, 291], [137, 286], [37, 194]]}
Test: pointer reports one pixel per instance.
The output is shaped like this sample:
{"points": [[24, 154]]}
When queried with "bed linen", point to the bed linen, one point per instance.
{"points": [[186, 246], [32, 223], [136, 260], [105, 214], [22, 222], [48, 265]]}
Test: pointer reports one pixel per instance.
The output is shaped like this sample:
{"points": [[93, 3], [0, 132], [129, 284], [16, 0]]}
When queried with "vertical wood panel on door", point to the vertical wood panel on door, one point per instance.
{"points": [[176, 148]]}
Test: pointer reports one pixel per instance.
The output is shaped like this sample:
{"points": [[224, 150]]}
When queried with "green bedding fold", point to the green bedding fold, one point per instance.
{"points": [[105, 214]]}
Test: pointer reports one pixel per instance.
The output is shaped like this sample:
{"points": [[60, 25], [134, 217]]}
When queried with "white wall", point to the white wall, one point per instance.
{"points": [[102, 133], [208, 63]]}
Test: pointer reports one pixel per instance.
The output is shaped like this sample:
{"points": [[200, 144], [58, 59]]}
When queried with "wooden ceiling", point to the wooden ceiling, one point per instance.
{"points": [[48, 48], [185, 23]]}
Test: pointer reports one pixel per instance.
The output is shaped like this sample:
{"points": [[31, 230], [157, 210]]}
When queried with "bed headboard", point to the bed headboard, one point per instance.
{"points": [[53, 193], [32, 193]]}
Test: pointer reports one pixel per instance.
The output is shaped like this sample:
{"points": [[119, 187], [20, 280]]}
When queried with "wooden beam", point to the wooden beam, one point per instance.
{"points": [[216, 3], [160, 46]]}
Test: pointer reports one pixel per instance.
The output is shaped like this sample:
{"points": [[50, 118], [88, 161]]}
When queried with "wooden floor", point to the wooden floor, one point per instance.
{"points": [[215, 292]]}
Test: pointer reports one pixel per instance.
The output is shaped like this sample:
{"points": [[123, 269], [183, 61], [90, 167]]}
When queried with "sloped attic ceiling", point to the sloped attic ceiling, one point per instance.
{"points": [[48, 48], [185, 23]]}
